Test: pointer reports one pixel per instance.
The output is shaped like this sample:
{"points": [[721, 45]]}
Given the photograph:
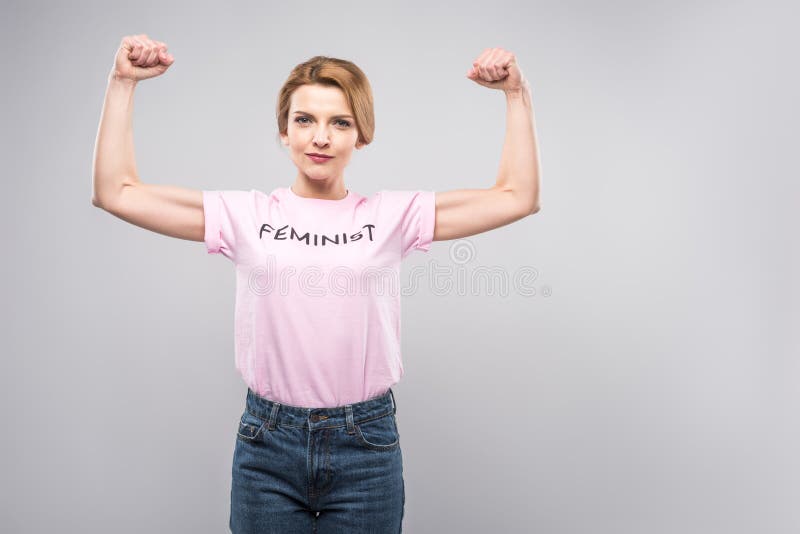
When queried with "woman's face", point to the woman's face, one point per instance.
{"points": [[320, 121]]}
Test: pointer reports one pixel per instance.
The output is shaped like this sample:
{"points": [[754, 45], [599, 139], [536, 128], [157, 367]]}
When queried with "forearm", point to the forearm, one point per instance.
{"points": [[114, 162], [519, 164]]}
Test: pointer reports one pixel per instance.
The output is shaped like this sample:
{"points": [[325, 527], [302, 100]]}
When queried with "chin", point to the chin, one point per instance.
{"points": [[316, 177]]}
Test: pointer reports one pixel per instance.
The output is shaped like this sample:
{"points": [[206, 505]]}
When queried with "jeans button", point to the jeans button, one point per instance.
{"points": [[314, 418]]}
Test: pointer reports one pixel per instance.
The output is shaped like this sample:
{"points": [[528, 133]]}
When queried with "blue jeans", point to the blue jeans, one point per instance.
{"points": [[317, 470]]}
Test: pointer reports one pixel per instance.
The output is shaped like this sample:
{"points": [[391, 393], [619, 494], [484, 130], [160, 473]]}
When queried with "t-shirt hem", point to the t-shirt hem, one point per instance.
{"points": [[211, 209], [427, 220]]}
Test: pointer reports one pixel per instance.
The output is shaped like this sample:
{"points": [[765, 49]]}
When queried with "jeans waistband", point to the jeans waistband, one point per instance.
{"points": [[273, 412]]}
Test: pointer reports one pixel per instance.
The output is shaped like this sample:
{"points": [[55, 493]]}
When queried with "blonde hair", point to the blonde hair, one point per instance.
{"points": [[331, 71]]}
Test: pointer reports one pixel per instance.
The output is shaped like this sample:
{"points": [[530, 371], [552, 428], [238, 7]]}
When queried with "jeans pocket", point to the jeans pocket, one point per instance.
{"points": [[250, 426], [378, 434]]}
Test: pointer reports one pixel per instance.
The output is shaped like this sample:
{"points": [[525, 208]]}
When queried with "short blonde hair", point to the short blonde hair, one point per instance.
{"points": [[331, 71]]}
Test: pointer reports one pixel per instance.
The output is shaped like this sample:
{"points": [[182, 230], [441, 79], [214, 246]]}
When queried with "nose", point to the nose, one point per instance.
{"points": [[321, 137]]}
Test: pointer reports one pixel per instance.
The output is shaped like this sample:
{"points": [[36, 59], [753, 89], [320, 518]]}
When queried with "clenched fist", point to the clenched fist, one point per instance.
{"points": [[497, 68], [140, 58]]}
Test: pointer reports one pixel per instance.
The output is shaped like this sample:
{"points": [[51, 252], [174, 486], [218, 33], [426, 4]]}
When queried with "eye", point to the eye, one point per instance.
{"points": [[343, 122]]}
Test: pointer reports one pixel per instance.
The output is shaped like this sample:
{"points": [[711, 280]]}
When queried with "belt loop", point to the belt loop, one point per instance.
{"points": [[348, 415], [394, 404], [273, 415]]}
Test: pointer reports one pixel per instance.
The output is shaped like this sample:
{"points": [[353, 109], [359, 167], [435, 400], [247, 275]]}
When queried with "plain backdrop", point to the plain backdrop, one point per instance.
{"points": [[649, 383]]}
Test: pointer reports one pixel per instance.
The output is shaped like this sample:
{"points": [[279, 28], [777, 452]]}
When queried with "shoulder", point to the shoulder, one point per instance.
{"points": [[403, 198], [406, 202], [242, 197]]}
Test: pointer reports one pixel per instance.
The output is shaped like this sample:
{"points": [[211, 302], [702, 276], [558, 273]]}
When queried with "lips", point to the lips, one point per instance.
{"points": [[318, 155], [319, 159]]}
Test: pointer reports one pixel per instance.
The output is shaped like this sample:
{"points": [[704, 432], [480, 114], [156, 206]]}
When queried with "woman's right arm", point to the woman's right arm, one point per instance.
{"points": [[116, 188]]}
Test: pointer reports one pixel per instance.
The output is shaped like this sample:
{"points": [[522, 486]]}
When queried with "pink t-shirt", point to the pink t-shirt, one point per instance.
{"points": [[317, 313]]}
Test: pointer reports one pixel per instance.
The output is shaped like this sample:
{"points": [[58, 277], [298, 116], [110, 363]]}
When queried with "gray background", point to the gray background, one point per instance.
{"points": [[650, 384]]}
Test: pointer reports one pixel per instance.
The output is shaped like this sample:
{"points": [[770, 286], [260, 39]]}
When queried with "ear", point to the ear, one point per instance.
{"points": [[285, 139]]}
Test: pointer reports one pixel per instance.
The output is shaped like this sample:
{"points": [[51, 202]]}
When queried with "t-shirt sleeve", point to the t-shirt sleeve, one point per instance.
{"points": [[228, 215], [416, 211]]}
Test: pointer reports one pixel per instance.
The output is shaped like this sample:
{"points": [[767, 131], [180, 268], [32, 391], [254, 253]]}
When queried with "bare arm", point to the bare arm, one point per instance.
{"points": [[520, 166], [515, 194], [116, 187]]}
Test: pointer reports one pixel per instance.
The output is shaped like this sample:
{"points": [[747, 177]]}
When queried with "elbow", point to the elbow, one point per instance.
{"points": [[527, 204], [100, 202], [104, 195], [97, 203]]}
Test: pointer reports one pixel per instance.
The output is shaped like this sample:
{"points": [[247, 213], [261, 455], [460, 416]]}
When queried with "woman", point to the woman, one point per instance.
{"points": [[317, 446]]}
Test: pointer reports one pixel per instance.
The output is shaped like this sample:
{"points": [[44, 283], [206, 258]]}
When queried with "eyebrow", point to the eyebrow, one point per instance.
{"points": [[334, 117]]}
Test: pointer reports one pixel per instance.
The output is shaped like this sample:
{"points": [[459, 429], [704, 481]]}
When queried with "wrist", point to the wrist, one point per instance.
{"points": [[115, 79], [520, 91]]}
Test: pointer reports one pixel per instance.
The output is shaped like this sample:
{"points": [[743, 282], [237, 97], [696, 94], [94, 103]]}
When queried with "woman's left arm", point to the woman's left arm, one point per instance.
{"points": [[465, 212]]}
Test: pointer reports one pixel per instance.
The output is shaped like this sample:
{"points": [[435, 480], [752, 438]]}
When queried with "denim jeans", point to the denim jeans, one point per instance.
{"points": [[317, 470]]}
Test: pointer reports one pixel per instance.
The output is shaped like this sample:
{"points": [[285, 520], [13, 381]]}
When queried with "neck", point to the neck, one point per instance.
{"points": [[319, 189]]}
